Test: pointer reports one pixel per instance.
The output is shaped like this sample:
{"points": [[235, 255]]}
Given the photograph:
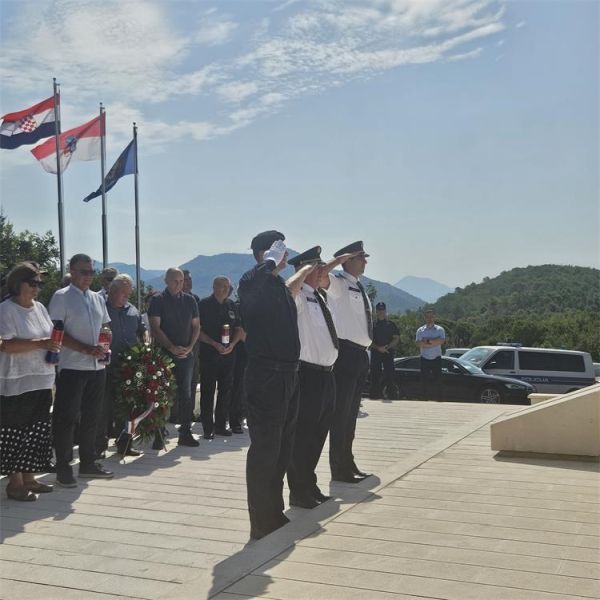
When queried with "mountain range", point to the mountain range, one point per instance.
{"points": [[423, 287], [204, 269]]}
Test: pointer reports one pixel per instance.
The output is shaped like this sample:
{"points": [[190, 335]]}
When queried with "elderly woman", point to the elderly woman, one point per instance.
{"points": [[26, 381]]}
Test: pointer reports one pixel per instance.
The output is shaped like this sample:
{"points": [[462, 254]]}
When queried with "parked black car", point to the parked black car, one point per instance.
{"points": [[462, 382]]}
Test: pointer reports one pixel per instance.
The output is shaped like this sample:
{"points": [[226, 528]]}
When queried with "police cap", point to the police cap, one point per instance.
{"points": [[306, 258], [264, 240], [351, 249]]}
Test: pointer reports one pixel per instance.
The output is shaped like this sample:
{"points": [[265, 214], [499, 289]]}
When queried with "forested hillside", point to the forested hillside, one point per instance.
{"points": [[525, 291], [550, 306]]}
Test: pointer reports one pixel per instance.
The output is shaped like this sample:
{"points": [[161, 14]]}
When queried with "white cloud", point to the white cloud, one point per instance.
{"points": [[237, 91], [215, 30], [131, 54], [520, 24]]}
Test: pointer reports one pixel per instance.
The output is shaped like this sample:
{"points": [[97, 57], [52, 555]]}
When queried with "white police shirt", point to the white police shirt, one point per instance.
{"points": [[346, 301], [316, 345]]}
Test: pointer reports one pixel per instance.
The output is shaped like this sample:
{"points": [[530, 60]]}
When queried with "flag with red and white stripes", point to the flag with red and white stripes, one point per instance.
{"points": [[28, 126], [79, 143]]}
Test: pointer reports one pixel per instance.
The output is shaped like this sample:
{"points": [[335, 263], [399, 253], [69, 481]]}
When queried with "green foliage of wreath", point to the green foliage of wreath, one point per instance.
{"points": [[144, 380]]}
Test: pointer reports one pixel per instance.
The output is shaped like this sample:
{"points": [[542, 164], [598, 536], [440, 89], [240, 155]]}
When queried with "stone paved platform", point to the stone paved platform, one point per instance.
{"points": [[443, 518]]}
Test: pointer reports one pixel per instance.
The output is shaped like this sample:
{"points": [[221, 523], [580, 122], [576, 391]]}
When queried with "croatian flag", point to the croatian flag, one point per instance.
{"points": [[28, 126], [79, 143]]}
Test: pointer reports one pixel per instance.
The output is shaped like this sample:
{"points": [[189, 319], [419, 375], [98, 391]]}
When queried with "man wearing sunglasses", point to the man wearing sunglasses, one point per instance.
{"points": [[106, 277], [81, 379]]}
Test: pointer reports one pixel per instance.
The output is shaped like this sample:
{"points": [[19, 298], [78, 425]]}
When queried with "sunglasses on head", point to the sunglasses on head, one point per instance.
{"points": [[34, 283], [86, 272]]}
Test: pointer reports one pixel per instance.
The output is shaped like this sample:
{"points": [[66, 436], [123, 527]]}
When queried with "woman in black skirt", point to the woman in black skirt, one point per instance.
{"points": [[26, 381]]}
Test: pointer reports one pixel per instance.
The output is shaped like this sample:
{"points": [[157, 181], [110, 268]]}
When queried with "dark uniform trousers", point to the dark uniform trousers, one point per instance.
{"points": [[379, 360], [195, 375], [183, 379], [215, 371], [79, 397], [272, 397], [315, 412], [106, 427], [237, 406], [350, 372]]}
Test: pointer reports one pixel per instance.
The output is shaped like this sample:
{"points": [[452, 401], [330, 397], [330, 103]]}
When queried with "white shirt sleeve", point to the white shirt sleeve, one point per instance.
{"points": [[56, 308], [105, 316], [8, 327], [299, 299]]}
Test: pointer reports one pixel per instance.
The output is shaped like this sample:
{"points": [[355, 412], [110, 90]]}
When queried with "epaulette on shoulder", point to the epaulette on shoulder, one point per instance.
{"points": [[338, 275]]}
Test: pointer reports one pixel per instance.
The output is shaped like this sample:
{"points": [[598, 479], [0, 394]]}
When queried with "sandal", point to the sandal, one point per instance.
{"points": [[21, 494], [37, 487]]}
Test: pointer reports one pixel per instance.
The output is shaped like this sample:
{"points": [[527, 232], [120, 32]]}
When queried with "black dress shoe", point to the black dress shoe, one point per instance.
{"points": [[256, 533], [237, 429], [320, 496], [187, 439], [304, 501], [209, 435], [125, 450], [350, 478], [223, 431], [362, 474]]}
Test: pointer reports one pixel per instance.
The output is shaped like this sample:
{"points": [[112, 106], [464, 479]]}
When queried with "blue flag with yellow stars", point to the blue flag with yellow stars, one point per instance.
{"points": [[125, 165]]}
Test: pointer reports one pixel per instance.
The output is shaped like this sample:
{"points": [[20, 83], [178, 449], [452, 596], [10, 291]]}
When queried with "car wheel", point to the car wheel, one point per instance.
{"points": [[490, 395]]}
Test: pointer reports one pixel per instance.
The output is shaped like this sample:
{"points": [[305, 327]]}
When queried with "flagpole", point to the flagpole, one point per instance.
{"points": [[137, 223], [102, 167], [59, 182]]}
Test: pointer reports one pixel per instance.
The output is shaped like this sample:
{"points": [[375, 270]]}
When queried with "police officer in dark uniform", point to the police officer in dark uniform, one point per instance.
{"points": [[217, 357], [270, 319], [385, 338]]}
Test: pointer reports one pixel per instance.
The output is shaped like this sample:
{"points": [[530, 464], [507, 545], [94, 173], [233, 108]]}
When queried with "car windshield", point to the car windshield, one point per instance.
{"points": [[469, 366], [476, 356]]}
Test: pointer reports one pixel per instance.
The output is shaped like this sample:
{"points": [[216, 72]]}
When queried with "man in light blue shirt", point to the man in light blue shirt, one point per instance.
{"points": [[430, 338], [81, 379]]}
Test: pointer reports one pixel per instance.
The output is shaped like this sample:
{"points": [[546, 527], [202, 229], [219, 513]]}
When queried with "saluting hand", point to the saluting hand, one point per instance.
{"points": [[276, 252], [342, 258]]}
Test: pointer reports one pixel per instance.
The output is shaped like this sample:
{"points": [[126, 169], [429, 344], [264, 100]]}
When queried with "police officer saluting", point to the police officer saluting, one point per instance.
{"points": [[270, 319], [354, 321], [318, 353], [385, 338]]}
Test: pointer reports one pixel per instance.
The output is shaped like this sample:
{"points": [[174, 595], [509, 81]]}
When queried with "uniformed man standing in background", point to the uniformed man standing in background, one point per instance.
{"points": [[217, 357], [270, 319], [385, 338], [354, 321], [318, 353]]}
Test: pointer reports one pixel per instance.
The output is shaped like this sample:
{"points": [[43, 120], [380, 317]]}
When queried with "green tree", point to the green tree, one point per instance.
{"points": [[18, 247]]}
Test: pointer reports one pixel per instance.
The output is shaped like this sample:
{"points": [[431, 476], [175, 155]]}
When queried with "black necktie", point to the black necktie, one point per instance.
{"points": [[328, 319], [368, 313]]}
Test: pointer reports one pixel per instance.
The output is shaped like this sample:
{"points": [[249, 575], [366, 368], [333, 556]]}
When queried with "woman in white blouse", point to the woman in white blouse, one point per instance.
{"points": [[26, 381]]}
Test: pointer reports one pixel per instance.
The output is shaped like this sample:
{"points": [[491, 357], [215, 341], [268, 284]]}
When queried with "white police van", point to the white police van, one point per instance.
{"points": [[551, 371]]}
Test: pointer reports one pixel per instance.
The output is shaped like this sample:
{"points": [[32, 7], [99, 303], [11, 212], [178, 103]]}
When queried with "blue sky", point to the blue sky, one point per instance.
{"points": [[457, 138]]}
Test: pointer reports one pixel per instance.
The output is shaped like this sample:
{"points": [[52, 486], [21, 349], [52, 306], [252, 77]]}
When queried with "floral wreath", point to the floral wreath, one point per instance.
{"points": [[145, 389]]}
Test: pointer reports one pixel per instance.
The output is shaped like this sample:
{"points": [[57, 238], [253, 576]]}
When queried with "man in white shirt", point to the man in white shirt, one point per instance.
{"points": [[354, 321], [430, 338], [81, 378], [318, 352]]}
